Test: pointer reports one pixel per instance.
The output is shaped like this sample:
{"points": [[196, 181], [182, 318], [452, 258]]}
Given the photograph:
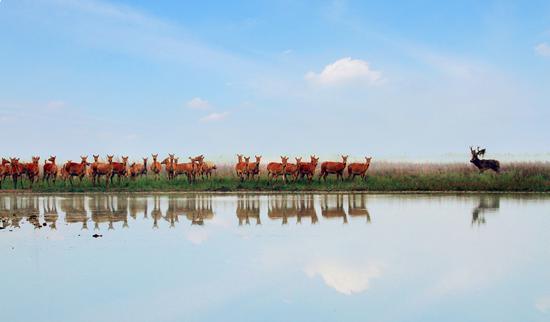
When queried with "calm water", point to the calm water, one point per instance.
{"points": [[327, 257]]}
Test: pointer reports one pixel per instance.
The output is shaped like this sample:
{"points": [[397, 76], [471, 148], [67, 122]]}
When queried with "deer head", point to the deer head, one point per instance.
{"points": [[258, 158], [246, 159], [110, 159], [367, 160], [124, 160], [298, 161], [155, 156], [344, 159], [240, 158]]}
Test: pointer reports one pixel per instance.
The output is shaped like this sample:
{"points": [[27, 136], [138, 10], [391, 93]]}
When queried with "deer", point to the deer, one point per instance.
{"points": [[120, 169], [49, 170], [199, 165], [253, 168], [102, 169], [293, 169], [155, 166], [241, 166], [169, 167], [330, 167], [4, 170], [307, 169], [189, 169], [74, 169], [32, 170], [359, 169], [137, 169], [483, 164], [16, 170], [276, 169], [208, 168]]}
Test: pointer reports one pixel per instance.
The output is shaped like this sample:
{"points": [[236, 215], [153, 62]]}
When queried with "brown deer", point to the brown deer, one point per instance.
{"points": [[330, 167], [199, 165], [74, 169], [483, 164], [16, 171], [120, 169], [208, 168], [307, 169], [253, 168], [359, 169], [293, 169], [137, 169], [241, 166], [102, 169], [276, 169], [155, 166], [32, 170], [189, 169], [4, 170], [49, 170]]}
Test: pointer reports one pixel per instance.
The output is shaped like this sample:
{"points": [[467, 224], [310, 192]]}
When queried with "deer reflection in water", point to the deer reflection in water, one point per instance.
{"points": [[14, 209], [306, 208], [357, 206], [109, 209], [486, 204], [281, 207], [75, 211], [286, 206], [196, 208], [137, 205], [332, 206], [49, 206], [248, 206]]}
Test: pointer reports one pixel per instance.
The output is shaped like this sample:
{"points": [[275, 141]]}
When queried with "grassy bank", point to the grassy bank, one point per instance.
{"points": [[383, 177]]}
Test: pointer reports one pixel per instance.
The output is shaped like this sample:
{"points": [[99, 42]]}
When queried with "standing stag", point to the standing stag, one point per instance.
{"points": [[359, 169], [483, 164], [330, 167]]}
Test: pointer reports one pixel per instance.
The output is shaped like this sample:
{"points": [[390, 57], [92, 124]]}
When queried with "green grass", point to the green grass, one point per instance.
{"points": [[385, 177]]}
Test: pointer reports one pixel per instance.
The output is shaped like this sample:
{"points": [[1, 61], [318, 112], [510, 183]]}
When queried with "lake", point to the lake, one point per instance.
{"points": [[275, 257]]}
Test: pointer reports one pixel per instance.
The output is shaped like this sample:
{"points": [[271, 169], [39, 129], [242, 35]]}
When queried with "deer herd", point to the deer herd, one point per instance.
{"points": [[245, 169]]}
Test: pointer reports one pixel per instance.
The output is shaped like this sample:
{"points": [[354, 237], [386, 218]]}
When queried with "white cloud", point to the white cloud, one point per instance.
{"points": [[543, 49], [198, 103], [344, 278], [214, 117], [543, 304], [346, 70]]}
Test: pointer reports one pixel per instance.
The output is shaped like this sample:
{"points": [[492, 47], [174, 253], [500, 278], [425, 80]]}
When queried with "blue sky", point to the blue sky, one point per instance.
{"points": [[406, 80]]}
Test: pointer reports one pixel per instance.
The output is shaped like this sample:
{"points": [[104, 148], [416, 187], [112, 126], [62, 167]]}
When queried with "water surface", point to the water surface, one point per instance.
{"points": [[325, 257]]}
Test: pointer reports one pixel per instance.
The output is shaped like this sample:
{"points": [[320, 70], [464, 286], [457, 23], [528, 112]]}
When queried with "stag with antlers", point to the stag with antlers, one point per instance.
{"points": [[483, 164]]}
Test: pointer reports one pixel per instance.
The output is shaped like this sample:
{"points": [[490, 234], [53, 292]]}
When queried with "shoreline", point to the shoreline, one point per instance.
{"points": [[268, 192]]}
